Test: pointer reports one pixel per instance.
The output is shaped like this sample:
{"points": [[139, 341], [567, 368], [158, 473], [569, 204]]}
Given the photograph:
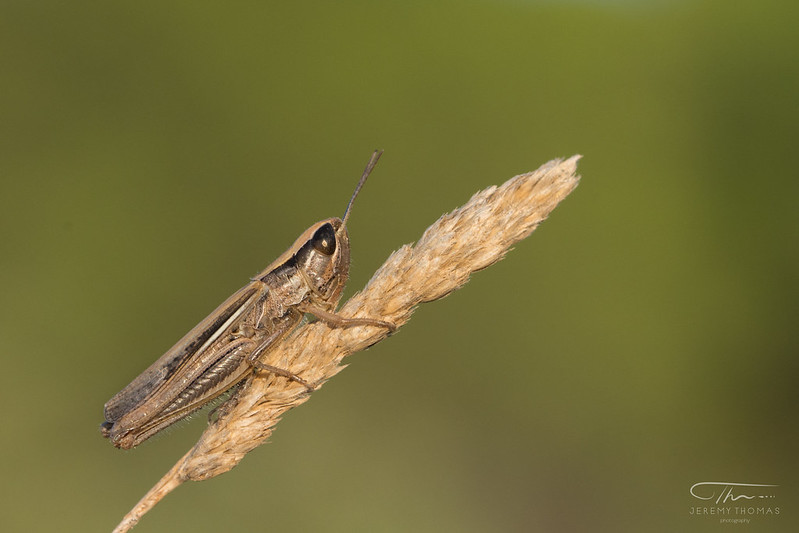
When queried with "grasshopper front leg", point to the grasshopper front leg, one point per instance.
{"points": [[337, 321]]}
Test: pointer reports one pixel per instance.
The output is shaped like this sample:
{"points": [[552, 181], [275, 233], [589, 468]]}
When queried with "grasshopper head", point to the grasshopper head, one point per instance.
{"points": [[324, 259], [322, 253]]}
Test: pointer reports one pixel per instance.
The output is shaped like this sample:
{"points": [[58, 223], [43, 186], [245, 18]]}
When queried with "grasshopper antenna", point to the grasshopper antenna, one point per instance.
{"points": [[368, 170]]}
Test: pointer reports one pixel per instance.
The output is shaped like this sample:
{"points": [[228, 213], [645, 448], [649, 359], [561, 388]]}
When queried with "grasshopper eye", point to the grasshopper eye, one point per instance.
{"points": [[324, 240]]}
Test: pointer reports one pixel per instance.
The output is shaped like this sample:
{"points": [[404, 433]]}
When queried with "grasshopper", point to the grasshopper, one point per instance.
{"points": [[226, 347]]}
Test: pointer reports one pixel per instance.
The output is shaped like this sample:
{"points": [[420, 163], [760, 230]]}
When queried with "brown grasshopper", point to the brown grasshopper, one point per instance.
{"points": [[227, 345]]}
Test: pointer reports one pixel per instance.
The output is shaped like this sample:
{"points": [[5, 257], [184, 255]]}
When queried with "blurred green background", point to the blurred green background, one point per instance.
{"points": [[156, 155]]}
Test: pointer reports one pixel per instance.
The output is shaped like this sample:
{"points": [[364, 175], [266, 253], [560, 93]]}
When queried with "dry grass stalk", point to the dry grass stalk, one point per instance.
{"points": [[459, 243]]}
